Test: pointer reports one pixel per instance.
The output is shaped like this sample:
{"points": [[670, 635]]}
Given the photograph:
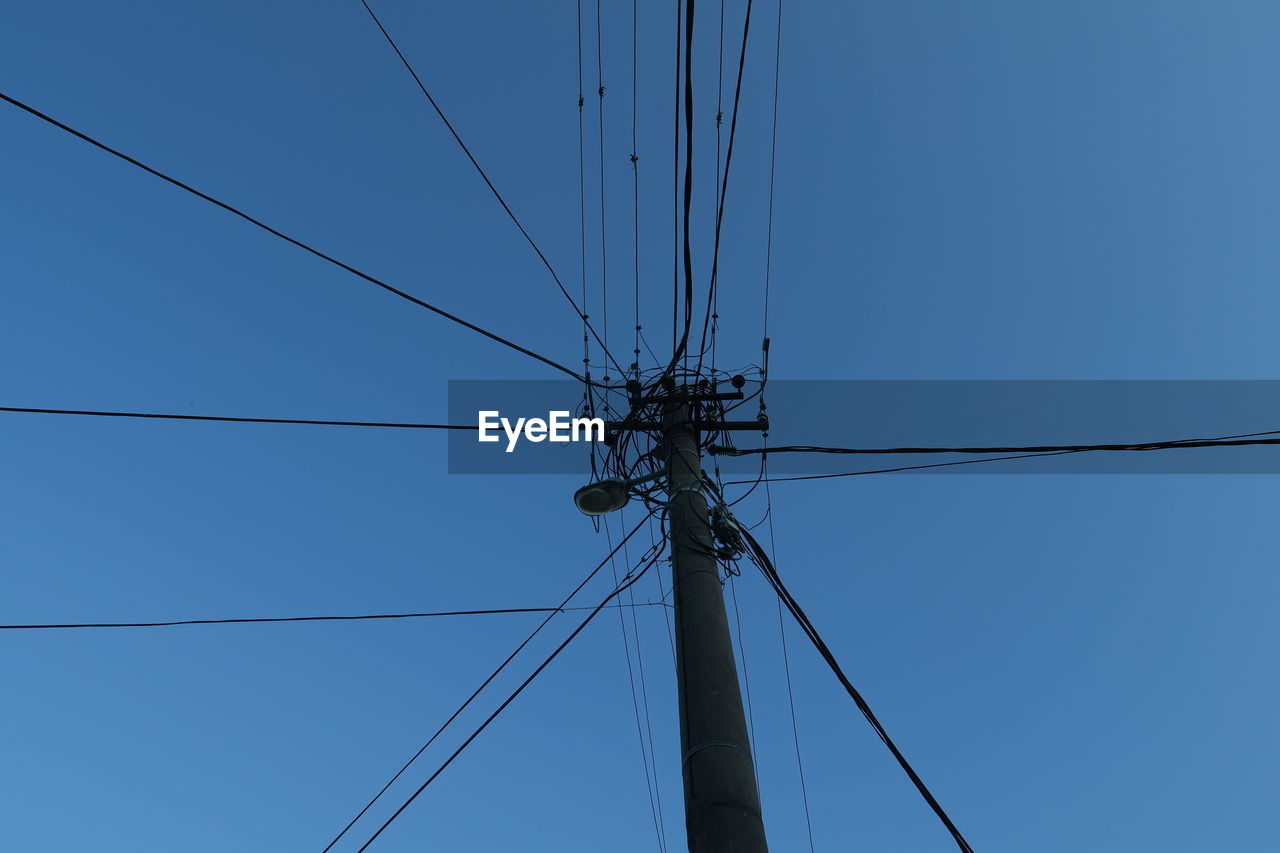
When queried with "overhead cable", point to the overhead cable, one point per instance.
{"points": [[480, 170], [724, 184], [773, 160], [632, 577], [478, 691], [228, 419], [761, 558], [757, 481], [1226, 441], [296, 242], [363, 616], [646, 752]]}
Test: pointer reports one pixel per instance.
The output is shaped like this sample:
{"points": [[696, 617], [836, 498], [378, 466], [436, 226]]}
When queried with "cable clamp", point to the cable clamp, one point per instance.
{"points": [[710, 743], [695, 490]]}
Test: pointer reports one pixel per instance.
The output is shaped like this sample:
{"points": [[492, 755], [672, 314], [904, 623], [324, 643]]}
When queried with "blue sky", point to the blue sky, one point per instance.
{"points": [[1000, 190]]}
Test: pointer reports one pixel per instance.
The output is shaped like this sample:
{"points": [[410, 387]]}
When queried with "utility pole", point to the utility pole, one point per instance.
{"points": [[722, 803]]}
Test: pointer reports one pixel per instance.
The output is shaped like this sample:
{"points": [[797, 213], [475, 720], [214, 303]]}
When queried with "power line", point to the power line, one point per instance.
{"points": [[771, 575], [714, 300], [1222, 441], [227, 419], [587, 398], [682, 347], [795, 728], [635, 187], [746, 673], [659, 830], [237, 621], [1233, 441], [294, 241], [724, 182], [763, 479], [477, 692], [662, 597], [773, 159], [629, 581], [786, 664], [465, 150], [604, 251], [675, 192], [644, 694]]}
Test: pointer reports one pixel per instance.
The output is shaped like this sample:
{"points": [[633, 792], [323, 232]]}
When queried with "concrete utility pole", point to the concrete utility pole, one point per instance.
{"points": [[722, 804]]}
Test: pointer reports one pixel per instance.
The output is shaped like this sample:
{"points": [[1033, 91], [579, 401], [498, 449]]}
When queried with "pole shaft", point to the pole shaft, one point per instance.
{"points": [[722, 803]]}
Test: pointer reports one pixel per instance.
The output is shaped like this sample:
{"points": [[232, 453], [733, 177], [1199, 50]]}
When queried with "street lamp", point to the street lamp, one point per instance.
{"points": [[608, 495]]}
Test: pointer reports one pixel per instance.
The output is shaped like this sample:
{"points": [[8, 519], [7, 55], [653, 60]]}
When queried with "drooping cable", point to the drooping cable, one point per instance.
{"points": [[294, 241]]}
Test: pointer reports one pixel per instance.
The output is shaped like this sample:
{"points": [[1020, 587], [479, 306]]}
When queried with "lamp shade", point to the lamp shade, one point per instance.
{"points": [[603, 497]]}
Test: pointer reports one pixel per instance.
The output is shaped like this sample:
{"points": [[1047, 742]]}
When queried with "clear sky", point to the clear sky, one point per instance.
{"points": [[964, 191]]}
